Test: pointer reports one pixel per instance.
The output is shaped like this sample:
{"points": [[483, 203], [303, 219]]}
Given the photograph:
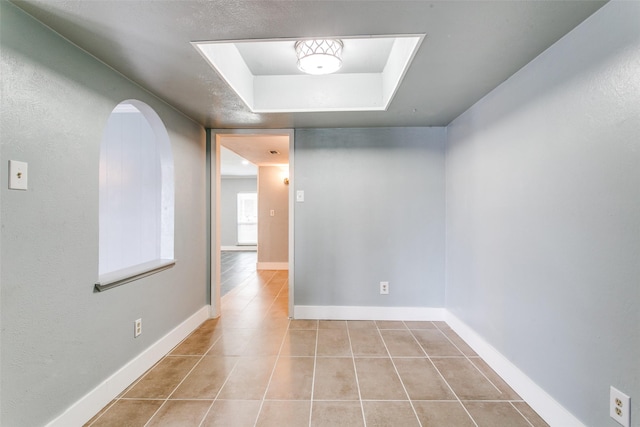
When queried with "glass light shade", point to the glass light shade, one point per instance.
{"points": [[319, 56]]}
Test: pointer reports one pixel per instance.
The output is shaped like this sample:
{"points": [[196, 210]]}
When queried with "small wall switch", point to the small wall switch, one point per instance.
{"points": [[384, 288], [137, 329], [620, 407], [17, 175], [300, 196], [272, 212]]}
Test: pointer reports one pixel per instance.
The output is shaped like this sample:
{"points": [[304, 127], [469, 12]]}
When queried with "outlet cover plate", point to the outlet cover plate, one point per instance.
{"points": [[620, 407]]}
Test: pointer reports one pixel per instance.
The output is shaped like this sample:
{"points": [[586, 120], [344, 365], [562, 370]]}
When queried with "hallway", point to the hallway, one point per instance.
{"points": [[255, 367]]}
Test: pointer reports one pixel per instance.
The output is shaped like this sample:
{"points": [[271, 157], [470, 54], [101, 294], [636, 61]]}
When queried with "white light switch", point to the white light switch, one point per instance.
{"points": [[17, 175], [272, 212], [300, 196]]}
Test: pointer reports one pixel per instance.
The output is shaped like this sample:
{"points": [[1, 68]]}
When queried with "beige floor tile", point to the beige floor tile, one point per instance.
{"points": [[292, 379], [389, 414], [128, 413], [491, 414], [401, 343], [378, 380], [361, 324], [249, 379], [442, 414], [299, 342], [333, 342], [292, 413], [336, 414], [435, 343], [180, 413], [163, 378], [303, 324], [367, 342], [422, 381], [507, 392], [458, 342], [465, 380], [231, 343], [206, 379], [232, 413], [531, 415], [390, 324], [265, 343], [419, 325], [332, 324], [335, 379], [200, 340]]}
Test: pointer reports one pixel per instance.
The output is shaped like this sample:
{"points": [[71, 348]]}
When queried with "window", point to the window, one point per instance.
{"points": [[136, 196], [247, 218]]}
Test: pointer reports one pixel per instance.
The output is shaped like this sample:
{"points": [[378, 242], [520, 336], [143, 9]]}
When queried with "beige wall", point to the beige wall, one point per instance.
{"points": [[273, 236]]}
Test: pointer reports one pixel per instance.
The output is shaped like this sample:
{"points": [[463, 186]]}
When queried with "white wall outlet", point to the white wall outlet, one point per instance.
{"points": [[620, 407], [17, 175], [384, 288], [137, 328]]}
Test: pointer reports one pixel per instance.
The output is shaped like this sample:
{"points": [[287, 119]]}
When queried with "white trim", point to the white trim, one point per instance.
{"points": [[541, 402], [129, 274], [272, 266], [89, 405], [249, 248], [341, 312]]}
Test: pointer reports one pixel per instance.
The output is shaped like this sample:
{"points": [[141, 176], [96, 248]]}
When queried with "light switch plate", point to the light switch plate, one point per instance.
{"points": [[17, 175], [300, 196]]}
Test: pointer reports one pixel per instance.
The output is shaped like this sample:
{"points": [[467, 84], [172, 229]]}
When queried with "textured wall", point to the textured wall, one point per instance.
{"points": [[273, 231], [229, 189], [373, 211], [543, 207], [59, 338]]}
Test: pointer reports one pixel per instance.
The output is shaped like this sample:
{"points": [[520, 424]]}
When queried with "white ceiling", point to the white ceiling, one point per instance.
{"points": [[470, 48], [257, 149]]}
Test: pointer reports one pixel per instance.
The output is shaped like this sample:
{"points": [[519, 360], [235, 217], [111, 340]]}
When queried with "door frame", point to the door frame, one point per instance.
{"points": [[214, 284]]}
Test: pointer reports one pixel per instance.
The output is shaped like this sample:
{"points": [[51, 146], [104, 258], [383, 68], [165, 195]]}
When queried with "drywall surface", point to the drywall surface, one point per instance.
{"points": [[60, 339], [543, 214], [373, 211], [273, 231], [229, 189]]}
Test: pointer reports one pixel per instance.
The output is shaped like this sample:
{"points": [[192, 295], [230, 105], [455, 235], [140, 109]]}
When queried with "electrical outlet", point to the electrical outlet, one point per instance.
{"points": [[137, 329], [384, 288], [620, 407]]}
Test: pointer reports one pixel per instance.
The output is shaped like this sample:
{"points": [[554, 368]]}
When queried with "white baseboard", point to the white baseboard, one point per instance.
{"points": [[247, 248], [541, 402], [89, 405], [339, 312], [272, 266]]}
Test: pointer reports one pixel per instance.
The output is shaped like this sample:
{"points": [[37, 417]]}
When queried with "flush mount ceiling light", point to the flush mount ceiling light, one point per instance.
{"points": [[319, 56]]}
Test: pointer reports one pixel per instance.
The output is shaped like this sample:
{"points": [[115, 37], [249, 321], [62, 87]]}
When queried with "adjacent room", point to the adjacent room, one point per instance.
{"points": [[310, 213]]}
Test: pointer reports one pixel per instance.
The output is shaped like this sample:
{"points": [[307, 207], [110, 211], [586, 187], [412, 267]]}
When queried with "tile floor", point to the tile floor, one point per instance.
{"points": [[255, 367], [235, 268]]}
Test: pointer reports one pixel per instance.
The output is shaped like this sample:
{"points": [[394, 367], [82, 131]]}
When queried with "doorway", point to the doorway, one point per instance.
{"points": [[266, 148]]}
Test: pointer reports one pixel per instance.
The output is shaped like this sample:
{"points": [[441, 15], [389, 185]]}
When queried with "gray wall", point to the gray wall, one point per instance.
{"points": [[543, 207], [373, 211], [59, 338], [229, 189], [273, 231]]}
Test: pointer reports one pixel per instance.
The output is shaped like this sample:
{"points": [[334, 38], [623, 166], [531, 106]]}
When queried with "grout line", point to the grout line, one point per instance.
{"points": [[313, 377], [523, 416], [284, 337], [395, 368], [355, 371], [443, 378], [467, 357]]}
